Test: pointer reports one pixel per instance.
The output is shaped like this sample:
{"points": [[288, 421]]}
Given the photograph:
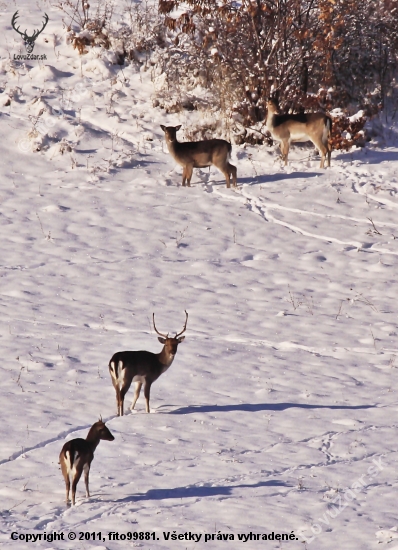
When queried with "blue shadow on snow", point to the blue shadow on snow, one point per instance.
{"points": [[278, 176], [256, 407], [198, 492]]}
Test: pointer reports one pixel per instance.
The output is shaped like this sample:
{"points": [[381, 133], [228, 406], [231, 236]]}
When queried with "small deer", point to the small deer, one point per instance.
{"points": [[315, 127], [77, 455], [142, 367], [199, 154]]}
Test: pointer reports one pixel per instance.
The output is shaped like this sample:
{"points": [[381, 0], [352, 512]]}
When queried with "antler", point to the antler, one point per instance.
{"points": [[13, 21], [36, 33], [24, 34], [185, 326], [154, 326]]}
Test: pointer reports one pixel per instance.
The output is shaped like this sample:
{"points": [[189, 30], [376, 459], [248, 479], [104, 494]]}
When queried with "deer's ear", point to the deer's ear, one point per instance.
{"points": [[163, 127], [161, 340], [181, 339], [178, 127]]}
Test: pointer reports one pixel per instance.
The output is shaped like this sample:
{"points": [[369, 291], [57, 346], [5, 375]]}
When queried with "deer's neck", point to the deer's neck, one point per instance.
{"points": [[172, 146], [165, 358], [271, 120], [93, 439]]}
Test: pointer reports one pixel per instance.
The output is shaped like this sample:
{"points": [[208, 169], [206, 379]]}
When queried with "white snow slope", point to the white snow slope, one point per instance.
{"points": [[279, 411]]}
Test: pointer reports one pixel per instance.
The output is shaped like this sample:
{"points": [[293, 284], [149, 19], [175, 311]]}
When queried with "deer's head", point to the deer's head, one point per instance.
{"points": [[170, 132], [171, 342], [102, 431]]}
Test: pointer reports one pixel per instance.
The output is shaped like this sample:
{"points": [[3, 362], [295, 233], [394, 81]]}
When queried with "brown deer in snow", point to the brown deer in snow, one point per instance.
{"points": [[199, 154], [142, 367], [315, 127], [76, 456]]}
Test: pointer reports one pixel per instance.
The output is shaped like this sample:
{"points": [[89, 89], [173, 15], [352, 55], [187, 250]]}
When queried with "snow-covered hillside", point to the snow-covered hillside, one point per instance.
{"points": [[279, 411]]}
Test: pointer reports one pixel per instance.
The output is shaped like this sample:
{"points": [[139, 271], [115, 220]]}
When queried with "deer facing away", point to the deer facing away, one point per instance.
{"points": [[76, 456], [199, 154], [315, 127], [142, 367]]}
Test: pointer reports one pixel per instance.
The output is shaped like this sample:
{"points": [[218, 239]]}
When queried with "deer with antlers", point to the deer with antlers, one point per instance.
{"points": [[315, 127], [76, 456], [142, 367], [29, 41]]}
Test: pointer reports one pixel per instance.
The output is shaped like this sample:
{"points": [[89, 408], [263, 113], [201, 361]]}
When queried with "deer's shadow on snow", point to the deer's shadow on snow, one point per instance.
{"points": [[199, 492], [256, 407], [278, 176], [261, 179]]}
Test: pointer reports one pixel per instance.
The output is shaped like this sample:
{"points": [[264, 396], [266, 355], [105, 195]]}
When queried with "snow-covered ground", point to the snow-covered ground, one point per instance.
{"points": [[279, 411]]}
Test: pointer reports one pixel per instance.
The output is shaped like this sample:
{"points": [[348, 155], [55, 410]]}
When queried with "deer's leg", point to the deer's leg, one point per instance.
{"points": [[75, 481], [137, 390], [188, 173], [184, 175], [115, 384], [86, 469], [227, 178], [117, 390], [323, 150], [322, 155], [67, 480], [284, 151], [225, 168], [233, 173], [147, 391], [325, 141], [123, 392]]}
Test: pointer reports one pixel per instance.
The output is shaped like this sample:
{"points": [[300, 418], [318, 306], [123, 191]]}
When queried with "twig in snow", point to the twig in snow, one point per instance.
{"points": [[18, 380], [47, 237], [15, 505], [309, 303], [250, 157], [180, 238], [102, 317], [59, 351], [374, 340], [341, 306], [295, 304], [360, 298], [374, 227]]}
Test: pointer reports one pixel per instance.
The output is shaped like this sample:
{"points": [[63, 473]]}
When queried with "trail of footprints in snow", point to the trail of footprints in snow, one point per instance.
{"points": [[257, 204], [249, 479], [263, 209]]}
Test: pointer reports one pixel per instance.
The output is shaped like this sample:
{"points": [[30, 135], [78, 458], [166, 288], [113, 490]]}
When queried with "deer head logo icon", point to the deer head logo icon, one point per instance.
{"points": [[29, 41]]}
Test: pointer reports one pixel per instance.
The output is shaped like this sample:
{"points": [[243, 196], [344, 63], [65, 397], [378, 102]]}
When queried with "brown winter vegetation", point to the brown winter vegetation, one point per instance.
{"points": [[311, 54]]}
